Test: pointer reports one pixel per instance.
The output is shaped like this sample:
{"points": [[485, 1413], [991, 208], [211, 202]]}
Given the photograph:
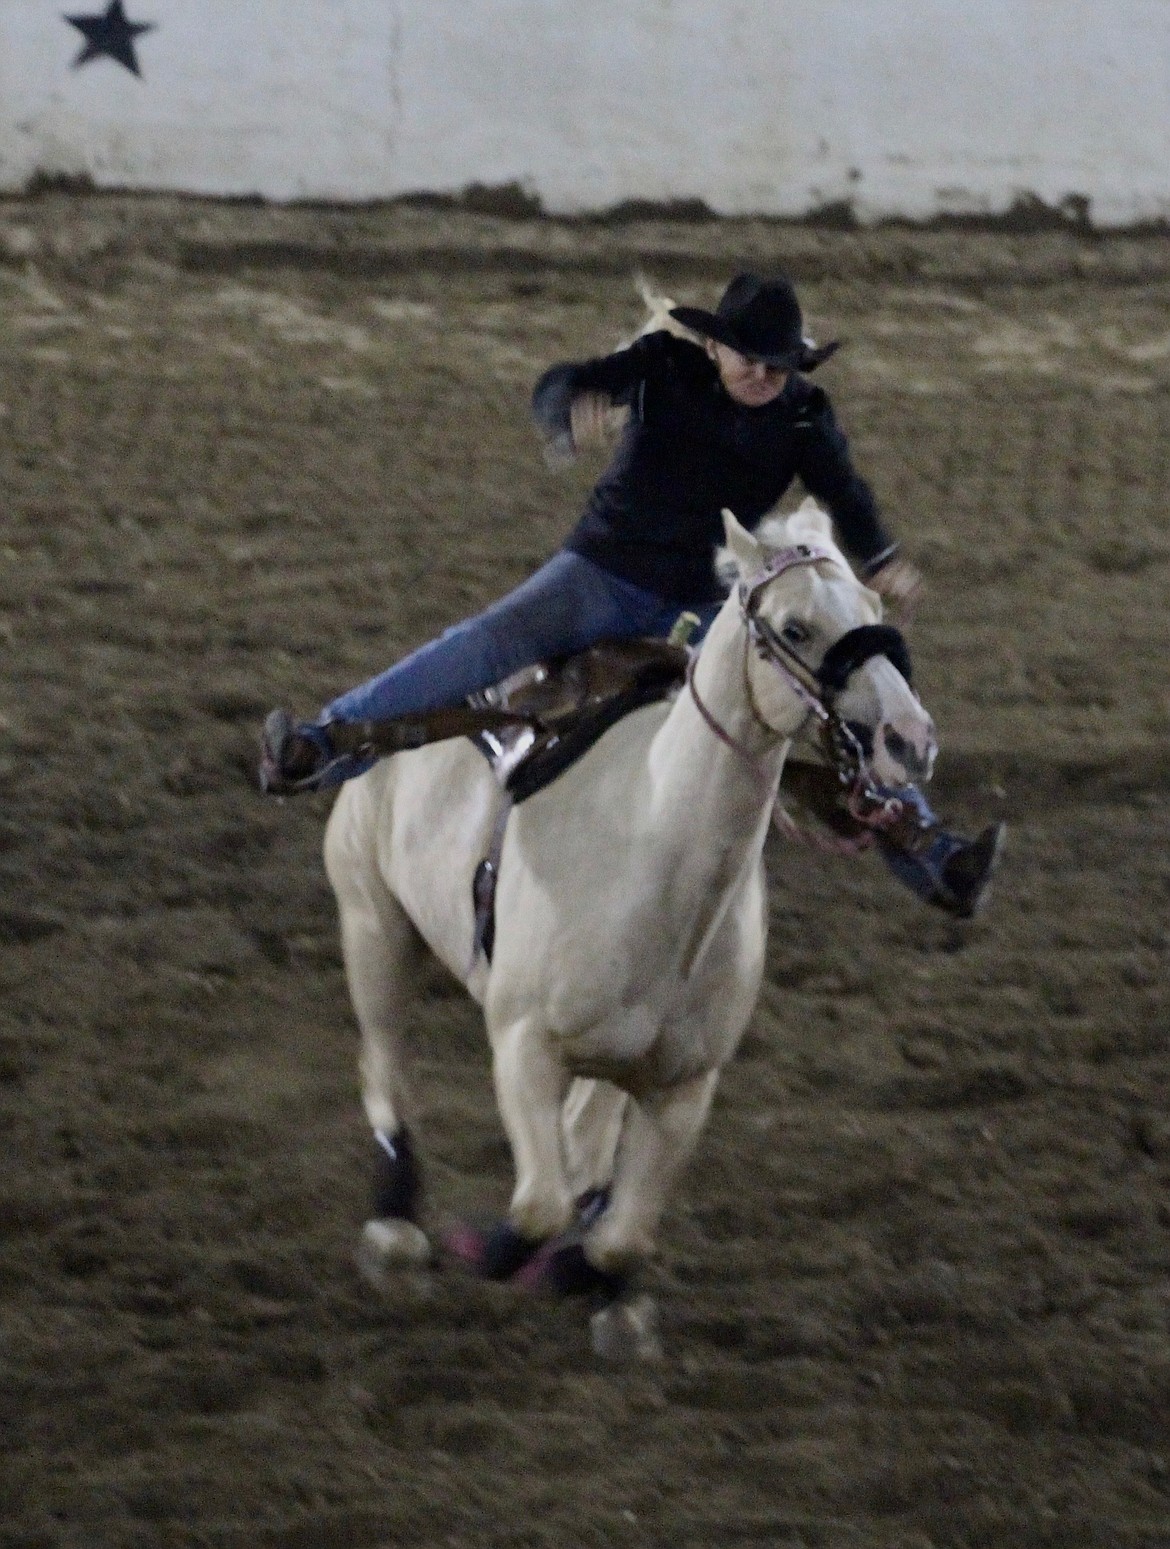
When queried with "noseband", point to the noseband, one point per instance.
{"points": [[817, 687]]}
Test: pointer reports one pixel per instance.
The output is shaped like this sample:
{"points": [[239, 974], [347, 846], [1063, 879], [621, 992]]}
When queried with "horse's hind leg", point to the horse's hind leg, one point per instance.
{"points": [[382, 953]]}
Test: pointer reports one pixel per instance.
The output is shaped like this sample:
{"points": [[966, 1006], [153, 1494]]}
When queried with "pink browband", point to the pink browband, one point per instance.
{"points": [[777, 564]]}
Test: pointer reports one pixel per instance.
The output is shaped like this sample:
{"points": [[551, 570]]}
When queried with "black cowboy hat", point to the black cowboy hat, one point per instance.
{"points": [[760, 319]]}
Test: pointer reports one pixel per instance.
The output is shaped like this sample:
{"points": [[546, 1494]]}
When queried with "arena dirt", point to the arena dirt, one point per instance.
{"points": [[914, 1288]]}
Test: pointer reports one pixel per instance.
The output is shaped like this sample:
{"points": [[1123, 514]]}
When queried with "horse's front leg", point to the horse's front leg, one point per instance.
{"points": [[659, 1134], [530, 1081], [591, 1121]]}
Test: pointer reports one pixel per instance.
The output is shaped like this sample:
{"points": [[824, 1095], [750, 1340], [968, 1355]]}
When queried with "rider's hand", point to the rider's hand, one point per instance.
{"points": [[899, 583], [589, 416], [589, 423]]}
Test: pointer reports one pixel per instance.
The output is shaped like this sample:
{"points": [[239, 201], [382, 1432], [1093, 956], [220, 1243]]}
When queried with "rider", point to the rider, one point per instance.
{"points": [[730, 422]]}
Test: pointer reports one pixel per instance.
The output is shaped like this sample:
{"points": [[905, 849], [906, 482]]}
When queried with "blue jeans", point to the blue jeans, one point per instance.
{"points": [[921, 872], [568, 605]]}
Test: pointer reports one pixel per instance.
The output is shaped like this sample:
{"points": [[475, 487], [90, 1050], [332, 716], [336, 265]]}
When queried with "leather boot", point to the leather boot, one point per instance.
{"points": [[289, 760], [967, 873]]}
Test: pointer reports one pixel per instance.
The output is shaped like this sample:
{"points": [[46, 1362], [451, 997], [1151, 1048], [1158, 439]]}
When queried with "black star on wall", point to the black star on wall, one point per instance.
{"points": [[111, 35]]}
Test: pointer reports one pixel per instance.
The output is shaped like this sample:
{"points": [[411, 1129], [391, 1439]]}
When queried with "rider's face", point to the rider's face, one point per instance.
{"points": [[747, 381]]}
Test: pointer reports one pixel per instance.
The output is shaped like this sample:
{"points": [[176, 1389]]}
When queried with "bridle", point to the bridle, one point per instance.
{"points": [[817, 688]]}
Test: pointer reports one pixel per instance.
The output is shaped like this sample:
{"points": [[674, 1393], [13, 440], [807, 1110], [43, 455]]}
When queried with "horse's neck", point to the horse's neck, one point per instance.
{"points": [[711, 779]]}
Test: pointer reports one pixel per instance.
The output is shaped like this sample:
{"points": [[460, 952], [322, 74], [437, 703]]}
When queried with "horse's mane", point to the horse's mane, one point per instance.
{"points": [[658, 308]]}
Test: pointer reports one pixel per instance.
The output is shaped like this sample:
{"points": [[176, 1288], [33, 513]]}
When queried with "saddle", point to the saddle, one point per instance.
{"points": [[536, 723], [561, 707]]}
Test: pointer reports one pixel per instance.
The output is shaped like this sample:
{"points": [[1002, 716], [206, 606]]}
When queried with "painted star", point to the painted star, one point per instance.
{"points": [[111, 35]]}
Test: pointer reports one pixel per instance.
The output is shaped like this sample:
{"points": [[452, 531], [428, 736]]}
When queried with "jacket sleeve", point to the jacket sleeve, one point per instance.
{"points": [[617, 376], [826, 470]]}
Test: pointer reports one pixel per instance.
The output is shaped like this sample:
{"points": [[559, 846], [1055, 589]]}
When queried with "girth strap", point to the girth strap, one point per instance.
{"points": [[401, 733], [483, 888]]}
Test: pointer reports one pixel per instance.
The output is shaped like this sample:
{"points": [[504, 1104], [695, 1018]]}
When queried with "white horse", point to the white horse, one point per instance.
{"points": [[630, 910]]}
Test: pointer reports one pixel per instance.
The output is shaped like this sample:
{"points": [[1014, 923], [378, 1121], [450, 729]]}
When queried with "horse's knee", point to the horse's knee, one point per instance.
{"points": [[541, 1208]]}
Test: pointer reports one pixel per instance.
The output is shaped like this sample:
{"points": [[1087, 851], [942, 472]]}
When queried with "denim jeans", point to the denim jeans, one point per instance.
{"points": [[569, 604], [922, 873]]}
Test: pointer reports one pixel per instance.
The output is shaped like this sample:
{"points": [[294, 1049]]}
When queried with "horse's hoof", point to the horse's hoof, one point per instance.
{"points": [[627, 1331], [568, 1272], [497, 1253], [388, 1245]]}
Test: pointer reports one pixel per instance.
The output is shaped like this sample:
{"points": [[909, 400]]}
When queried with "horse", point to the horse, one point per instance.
{"points": [[630, 913]]}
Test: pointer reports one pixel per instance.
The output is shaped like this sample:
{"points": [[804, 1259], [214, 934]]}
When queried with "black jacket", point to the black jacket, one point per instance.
{"points": [[688, 450]]}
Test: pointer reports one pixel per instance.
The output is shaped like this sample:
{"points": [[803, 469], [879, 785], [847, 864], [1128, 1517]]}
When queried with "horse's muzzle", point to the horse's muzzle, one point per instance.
{"points": [[917, 761]]}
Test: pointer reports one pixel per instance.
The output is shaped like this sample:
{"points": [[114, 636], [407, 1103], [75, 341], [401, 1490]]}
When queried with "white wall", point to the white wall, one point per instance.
{"points": [[907, 107]]}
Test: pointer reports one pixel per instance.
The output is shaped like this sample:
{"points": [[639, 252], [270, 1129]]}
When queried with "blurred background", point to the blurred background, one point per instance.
{"points": [[879, 107]]}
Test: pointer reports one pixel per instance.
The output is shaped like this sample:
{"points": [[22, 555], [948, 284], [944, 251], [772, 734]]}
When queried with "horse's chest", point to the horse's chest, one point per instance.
{"points": [[636, 963], [647, 1022]]}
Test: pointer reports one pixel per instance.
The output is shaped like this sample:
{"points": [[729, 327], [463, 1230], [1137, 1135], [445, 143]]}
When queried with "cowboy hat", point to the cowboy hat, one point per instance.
{"points": [[759, 318]]}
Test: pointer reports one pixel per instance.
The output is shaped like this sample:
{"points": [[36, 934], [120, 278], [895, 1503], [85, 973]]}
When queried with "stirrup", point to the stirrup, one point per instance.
{"points": [[289, 762]]}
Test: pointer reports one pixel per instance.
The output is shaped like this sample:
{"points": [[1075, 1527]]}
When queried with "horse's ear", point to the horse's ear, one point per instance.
{"points": [[814, 517], [748, 554]]}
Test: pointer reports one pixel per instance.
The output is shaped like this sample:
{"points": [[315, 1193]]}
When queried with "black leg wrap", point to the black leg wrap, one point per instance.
{"points": [[397, 1180], [590, 1205], [571, 1274], [505, 1252]]}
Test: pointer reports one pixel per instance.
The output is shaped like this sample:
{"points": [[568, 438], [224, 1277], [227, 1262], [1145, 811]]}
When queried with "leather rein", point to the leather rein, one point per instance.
{"points": [[816, 688]]}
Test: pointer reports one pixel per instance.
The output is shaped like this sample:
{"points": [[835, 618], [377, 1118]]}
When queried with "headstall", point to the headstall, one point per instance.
{"points": [[816, 688]]}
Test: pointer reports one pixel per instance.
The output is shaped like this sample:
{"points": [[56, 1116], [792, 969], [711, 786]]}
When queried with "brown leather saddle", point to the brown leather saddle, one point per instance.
{"points": [[562, 707], [536, 723]]}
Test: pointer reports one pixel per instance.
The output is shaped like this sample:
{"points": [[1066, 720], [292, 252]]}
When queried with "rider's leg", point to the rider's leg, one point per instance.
{"points": [[941, 867], [936, 864], [570, 603]]}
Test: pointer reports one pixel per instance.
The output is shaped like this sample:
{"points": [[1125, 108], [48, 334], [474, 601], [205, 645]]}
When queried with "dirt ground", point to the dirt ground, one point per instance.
{"points": [[914, 1289]]}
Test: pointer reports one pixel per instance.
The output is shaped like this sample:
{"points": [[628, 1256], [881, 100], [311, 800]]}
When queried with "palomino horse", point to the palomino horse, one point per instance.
{"points": [[630, 909]]}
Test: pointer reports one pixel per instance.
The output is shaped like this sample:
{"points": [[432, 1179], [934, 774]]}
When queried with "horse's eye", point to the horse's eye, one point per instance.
{"points": [[794, 633]]}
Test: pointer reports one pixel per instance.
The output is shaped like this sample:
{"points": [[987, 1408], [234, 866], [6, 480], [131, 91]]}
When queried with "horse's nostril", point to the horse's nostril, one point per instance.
{"points": [[897, 746], [903, 750]]}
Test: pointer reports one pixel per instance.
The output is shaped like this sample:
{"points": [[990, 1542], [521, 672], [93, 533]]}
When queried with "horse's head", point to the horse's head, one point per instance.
{"points": [[816, 630]]}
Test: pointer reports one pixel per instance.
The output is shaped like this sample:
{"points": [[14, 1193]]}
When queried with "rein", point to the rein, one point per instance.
{"points": [[815, 688]]}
